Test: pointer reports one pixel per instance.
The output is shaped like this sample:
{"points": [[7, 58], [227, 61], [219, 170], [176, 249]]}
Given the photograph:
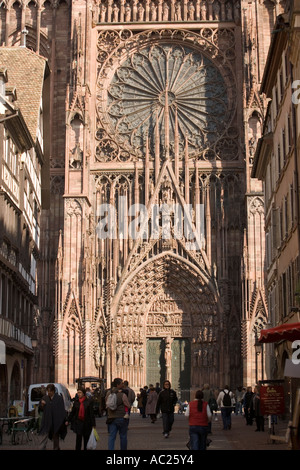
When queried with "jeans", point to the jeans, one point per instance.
{"points": [[198, 435], [118, 425], [226, 417], [238, 408], [168, 420]]}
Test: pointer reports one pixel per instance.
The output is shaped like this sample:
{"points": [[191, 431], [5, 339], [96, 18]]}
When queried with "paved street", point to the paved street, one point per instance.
{"points": [[142, 435]]}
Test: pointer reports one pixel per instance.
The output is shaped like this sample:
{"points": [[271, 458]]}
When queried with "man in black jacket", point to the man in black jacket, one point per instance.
{"points": [[53, 420], [166, 402]]}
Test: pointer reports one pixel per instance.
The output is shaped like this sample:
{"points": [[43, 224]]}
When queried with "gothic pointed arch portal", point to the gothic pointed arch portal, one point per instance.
{"points": [[166, 313]]}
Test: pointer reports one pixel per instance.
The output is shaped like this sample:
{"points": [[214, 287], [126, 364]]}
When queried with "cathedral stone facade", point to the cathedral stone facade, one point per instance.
{"points": [[152, 229]]}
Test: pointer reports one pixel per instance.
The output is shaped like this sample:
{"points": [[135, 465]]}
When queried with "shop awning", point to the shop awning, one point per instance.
{"points": [[287, 331]]}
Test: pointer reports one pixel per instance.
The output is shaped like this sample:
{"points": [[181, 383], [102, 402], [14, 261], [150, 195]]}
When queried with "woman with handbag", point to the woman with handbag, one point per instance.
{"points": [[199, 414], [82, 418]]}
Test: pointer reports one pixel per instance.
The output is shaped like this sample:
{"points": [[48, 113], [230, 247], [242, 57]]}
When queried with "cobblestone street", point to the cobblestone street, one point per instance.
{"points": [[142, 435]]}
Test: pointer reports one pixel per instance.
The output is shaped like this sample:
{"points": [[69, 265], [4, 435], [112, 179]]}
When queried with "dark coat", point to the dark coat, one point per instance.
{"points": [[54, 416], [248, 399], [166, 401], [82, 427]]}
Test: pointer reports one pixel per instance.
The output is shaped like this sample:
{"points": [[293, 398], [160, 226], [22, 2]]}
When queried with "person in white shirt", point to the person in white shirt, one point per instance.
{"points": [[225, 402]]}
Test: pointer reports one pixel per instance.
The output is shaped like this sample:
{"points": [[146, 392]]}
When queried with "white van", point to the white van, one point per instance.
{"points": [[37, 391]]}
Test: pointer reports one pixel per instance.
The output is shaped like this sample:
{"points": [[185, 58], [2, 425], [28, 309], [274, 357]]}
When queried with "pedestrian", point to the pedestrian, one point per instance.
{"points": [[130, 394], [140, 401], [157, 388], [247, 406], [145, 395], [199, 414], [166, 402], [238, 401], [115, 417], [259, 418], [151, 404], [224, 401], [82, 418], [53, 420], [215, 406], [208, 397]]}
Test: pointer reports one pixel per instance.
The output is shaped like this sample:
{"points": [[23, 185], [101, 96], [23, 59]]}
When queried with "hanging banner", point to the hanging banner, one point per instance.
{"points": [[272, 400]]}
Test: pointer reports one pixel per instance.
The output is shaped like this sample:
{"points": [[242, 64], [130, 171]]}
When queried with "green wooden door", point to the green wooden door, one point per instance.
{"points": [[181, 365], [156, 368]]}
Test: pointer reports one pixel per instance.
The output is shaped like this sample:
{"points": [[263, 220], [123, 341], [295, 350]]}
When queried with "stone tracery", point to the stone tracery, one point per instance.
{"points": [[166, 89], [172, 80]]}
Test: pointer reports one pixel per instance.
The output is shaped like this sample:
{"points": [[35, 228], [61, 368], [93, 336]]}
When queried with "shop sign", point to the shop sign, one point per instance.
{"points": [[272, 400]]}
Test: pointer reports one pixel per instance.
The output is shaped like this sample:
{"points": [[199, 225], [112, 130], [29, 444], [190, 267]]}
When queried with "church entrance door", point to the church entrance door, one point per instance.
{"points": [[179, 369]]}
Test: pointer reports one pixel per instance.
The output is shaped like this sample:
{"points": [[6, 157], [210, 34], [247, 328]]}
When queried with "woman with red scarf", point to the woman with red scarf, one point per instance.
{"points": [[82, 418]]}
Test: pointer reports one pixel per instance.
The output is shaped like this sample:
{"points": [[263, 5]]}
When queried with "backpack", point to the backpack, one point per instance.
{"points": [[213, 404], [226, 399], [111, 401]]}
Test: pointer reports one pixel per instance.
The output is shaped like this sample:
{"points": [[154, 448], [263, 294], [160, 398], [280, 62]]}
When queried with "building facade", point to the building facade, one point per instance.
{"points": [[277, 165], [21, 161], [152, 251]]}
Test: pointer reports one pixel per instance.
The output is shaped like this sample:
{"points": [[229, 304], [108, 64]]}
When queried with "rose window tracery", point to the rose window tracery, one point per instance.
{"points": [[169, 93]]}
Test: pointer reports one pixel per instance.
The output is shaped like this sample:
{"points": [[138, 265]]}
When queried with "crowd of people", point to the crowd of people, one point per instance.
{"points": [[152, 401]]}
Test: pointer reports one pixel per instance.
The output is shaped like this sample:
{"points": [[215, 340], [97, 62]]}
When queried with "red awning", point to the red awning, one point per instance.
{"points": [[288, 331]]}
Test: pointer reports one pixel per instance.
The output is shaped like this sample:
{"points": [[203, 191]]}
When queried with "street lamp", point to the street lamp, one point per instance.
{"points": [[34, 342]]}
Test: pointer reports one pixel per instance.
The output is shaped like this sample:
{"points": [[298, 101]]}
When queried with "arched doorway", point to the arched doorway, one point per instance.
{"points": [[168, 339], [166, 315]]}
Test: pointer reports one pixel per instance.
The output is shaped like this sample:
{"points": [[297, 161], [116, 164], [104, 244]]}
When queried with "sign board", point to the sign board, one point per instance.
{"points": [[272, 400]]}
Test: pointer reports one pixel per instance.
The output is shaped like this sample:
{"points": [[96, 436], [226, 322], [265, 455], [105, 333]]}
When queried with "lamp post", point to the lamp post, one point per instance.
{"points": [[34, 342]]}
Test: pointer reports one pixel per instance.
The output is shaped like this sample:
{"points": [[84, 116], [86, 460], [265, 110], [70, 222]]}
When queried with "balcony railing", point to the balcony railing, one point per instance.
{"points": [[11, 331]]}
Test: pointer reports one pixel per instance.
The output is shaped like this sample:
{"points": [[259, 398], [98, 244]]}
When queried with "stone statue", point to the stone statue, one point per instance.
{"points": [[153, 11], [141, 11], [102, 13], [127, 12], [178, 12], [115, 13], [165, 11]]}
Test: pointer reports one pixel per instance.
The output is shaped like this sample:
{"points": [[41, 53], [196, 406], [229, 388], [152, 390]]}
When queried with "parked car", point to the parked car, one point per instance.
{"points": [[37, 391]]}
